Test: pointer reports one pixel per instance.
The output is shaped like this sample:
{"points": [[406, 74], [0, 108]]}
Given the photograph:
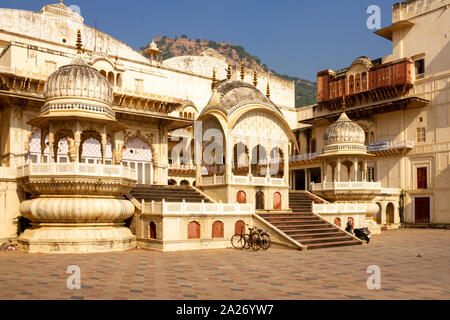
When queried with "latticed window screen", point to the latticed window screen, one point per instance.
{"points": [[420, 134]]}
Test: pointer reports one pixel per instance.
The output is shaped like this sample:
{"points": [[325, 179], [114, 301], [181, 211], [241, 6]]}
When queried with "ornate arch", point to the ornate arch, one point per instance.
{"points": [[146, 137]]}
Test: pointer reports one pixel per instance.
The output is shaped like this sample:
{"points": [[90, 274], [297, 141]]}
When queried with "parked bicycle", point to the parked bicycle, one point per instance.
{"points": [[255, 239]]}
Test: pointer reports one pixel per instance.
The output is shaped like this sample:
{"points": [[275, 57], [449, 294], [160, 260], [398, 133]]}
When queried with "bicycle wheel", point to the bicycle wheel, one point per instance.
{"points": [[265, 241], [247, 241], [238, 241], [256, 241]]}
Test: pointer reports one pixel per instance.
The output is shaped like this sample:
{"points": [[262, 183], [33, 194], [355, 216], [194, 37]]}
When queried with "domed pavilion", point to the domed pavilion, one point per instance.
{"points": [[76, 206]]}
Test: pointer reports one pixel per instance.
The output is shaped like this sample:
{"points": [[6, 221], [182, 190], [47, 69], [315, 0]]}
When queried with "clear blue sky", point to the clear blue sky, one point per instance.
{"points": [[293, 37]]}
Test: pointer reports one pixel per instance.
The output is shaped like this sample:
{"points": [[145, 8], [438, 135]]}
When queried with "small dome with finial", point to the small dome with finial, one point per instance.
{"points": [[78, 80]]}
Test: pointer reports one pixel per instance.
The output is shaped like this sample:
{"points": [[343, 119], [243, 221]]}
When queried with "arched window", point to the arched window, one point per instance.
{"points": [[184, 183], [119, 80], [137, 154], [390, 213], [193, 230], [337, 222], [358, 83], [172, 182], [241, 197], [259, 200], [277, 201], [217, 229], [152, 230], [111, 78], [351, 84], [364, 81], [238, 226]]}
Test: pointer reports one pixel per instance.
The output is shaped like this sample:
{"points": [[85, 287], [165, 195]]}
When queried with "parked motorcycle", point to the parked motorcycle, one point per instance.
{"points": [[363, 234]]}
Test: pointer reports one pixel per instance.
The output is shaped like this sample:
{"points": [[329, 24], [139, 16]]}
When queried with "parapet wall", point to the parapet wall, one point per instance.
{"points": [[412, 8]]}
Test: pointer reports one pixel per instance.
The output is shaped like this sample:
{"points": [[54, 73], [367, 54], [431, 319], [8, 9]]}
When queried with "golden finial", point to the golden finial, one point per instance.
{"points": [[343, 103], [61, 2], [268, 90], [242, 71], [229, 72], [79, 43], [255, 78], [213, 84]]}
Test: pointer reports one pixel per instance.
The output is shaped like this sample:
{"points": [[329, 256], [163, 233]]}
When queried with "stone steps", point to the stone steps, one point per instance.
{"points": [[307, 228], [156, 193]]}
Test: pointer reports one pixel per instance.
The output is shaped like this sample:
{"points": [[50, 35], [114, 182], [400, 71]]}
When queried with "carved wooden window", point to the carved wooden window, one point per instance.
{"points": [[420, 135], [421, 178]]}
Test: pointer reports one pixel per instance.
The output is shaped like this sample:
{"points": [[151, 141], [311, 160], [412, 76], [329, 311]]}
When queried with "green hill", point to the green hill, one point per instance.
{"points": [[305, 91]]}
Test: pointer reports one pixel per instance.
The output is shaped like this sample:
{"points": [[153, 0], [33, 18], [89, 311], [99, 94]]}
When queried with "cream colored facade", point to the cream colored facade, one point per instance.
{"points": [[152, 99], [413, 135]]}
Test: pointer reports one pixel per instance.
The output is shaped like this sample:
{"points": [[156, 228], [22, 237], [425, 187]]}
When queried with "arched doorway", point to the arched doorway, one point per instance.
{"points": [[172, 182], [184, 183], [390, 213], [259, 201], [152, 230], [277, 201], [241, 197], [137, 154]]}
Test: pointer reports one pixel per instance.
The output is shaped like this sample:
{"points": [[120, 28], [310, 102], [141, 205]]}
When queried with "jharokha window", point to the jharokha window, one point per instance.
{"points": [[420, 134], [421, 178]]}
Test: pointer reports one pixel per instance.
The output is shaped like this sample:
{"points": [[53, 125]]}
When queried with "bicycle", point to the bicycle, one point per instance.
{"points": [[246, 240]]}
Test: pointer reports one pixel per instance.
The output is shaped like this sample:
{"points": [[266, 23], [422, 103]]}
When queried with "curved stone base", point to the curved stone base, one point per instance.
{"points": [[65, 238]]}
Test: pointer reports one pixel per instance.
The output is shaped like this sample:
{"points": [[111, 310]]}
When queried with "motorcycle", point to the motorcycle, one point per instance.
{"points": [[363, 234]]}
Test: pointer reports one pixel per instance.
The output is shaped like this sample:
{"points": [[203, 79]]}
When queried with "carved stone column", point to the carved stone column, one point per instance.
{"points": [[338, 171]]}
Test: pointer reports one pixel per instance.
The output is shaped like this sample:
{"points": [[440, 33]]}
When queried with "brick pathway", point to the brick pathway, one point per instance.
{"points": [[232, 274]]}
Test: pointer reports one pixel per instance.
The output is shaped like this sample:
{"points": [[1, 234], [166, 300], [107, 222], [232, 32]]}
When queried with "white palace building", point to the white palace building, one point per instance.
{"points": [[105, 149]]}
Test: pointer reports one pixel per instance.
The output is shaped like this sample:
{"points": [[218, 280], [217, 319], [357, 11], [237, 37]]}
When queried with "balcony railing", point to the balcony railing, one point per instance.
{"points": [[337, 208], [189, 209], [386, 145], [245, 180], [181, 167], [74, 168], [303, 156], [349, 185]]}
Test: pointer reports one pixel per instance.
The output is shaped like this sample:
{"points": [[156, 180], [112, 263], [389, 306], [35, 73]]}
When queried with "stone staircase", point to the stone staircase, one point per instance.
{"points": [[307, 228], [156, 193]]}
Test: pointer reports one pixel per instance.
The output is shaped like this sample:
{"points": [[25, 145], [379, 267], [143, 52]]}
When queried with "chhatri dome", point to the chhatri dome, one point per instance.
{"points": [[78, 80], [77, 90], [344, 137]]}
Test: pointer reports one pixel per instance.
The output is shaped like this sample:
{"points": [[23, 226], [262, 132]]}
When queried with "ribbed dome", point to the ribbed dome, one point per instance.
{"points": [[344, 130], [78, 80], [229, 96]]}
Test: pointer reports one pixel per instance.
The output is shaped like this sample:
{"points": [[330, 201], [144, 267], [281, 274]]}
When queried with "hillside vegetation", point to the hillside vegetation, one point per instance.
{"points": [[305, 91]]}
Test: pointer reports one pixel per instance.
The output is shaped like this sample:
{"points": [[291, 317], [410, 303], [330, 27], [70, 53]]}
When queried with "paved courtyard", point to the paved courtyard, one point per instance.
{"points": [[232, 274]]}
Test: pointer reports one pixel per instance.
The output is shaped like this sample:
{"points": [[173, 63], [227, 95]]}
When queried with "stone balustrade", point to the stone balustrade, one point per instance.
{"points": [[196, 209], [337, 208], [244, 180], [349, 185], [303, 156], [385, 145], [73, 168]]}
